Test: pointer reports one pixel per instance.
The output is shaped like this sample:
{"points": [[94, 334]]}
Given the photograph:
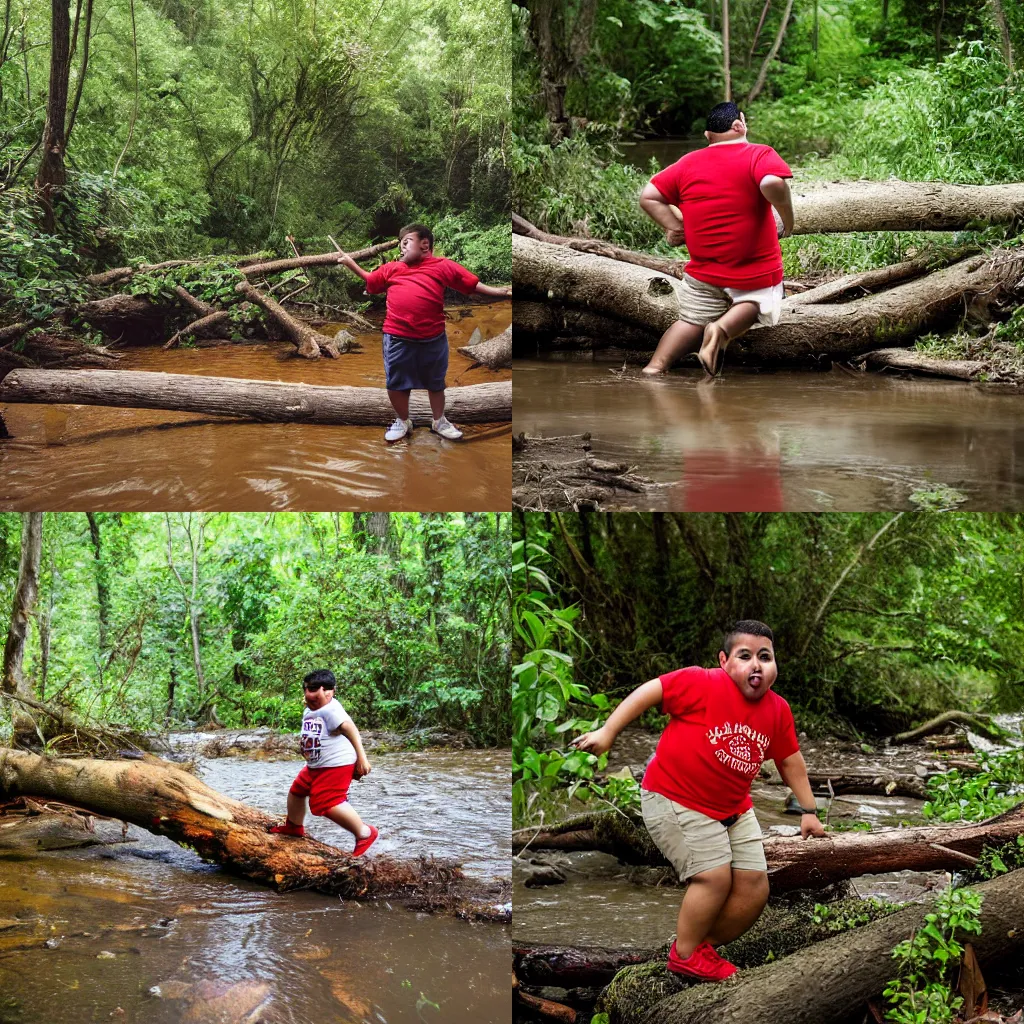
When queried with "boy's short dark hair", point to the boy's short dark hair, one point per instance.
{"points": [[420, 229], [720, 120], [749, 626], [321, 677]]}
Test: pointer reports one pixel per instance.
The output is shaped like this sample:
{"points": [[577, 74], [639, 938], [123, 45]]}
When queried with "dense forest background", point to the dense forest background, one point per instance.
{"points": [[189, 127], [917, 89], [880, 619], [169, 620]]}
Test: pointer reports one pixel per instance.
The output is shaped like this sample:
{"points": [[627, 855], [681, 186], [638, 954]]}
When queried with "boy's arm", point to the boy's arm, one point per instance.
{"points": [[599, 741], [794, 774], [776, 191], [663, 213], [498, 293], [351, 733], [346, 261]]}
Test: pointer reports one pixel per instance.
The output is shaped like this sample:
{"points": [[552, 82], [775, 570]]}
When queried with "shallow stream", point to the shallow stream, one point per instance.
{"points": [[147, 932]]}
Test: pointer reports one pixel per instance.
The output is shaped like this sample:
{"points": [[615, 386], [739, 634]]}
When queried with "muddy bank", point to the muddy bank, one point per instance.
{"points": [[64, 457]]}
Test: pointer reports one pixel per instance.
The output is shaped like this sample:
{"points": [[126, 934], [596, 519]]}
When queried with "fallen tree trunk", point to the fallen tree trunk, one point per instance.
{"points": [[830, 980], [165, 800], [311, 344], [574, 967], [324, 259], [804, 333], [554, 326], [929, 366], [495, 353], [41, 351], [978, 723], [118, 315], [268, 401], [795, 863], [27, 826]]}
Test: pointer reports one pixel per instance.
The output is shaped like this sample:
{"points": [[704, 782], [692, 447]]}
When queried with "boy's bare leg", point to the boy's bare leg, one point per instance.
{"points": [[345, 816], [746, 900], [400, 403], [436, 403], [675, 343], [737, 320], [296, 809], [705, 897]]}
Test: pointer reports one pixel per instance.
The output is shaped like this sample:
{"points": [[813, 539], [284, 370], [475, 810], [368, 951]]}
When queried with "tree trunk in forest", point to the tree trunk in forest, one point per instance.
{"points": [[494, 353], [165, 800], [804, 333], [795, 863], [829, 980], [102, 590], [52, 174], [25, 594], [266, 401], [1004, 33], [762, 75], [310, 344], [979, 723], [83, 67], [726, 57]]}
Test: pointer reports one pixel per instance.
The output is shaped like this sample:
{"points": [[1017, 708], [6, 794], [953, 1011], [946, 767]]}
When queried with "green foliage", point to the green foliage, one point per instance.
{"points": [[486, 252], [997, 860], [838, 920], [955, 796], [922, 992]]}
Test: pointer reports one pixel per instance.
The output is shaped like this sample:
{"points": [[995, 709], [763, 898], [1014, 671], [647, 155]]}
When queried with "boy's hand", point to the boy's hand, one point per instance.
{"points": [[810, 825], [346, 261], [596, 742], [362, 768], [675, 237], [506, 292]]}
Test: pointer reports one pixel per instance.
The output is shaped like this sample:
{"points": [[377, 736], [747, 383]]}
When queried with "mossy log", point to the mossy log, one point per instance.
{"points": [[264, 400], [808, 333], [163, 799], [980, 724], [926, 366], [795, 863], [827, 981]]}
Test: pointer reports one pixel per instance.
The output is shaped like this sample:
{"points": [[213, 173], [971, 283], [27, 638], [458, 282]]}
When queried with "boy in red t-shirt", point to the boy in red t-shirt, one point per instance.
{"points": [[726, 193], [696, 790], [415, 342]]}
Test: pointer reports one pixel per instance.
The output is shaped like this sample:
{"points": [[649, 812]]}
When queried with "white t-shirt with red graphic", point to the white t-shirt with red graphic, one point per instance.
{"points": [[715, 742], [319, 747]]}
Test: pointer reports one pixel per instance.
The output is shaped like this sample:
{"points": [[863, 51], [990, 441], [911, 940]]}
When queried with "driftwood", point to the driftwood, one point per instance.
{"points": [[545, 1009], [795, 863], [27, 826], [267, 401], [311, 344], [552, 474], [165, 800], [928, 366], [495, 353], [325, 259], [977, 723], [805, 333]]}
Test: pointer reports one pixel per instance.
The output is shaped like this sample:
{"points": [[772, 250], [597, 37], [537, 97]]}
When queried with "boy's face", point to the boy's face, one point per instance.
{"points": [[413, 248], [750, 665], [316, 699]]}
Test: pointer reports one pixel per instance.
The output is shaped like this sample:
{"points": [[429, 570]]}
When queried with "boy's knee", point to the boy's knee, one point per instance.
{"points": [[753, 885], [715, 878]]}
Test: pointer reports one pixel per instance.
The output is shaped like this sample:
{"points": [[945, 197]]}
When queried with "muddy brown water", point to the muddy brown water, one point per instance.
{"points": [[785, 441], [74, 457], [148, 932]]}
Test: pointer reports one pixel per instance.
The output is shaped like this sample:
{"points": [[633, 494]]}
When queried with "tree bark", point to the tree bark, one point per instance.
{"points": [[494, 353], [310, 344], [832, 980], [165, 800], [914, 362], [976, 722], [267, 401], [762, 75], [102, 589], [795, 863], [52, 175], [804, 333], [25, 594], [41, 351]]}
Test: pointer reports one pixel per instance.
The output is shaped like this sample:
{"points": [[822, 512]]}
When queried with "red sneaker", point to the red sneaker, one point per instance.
{"points": [[289, 829], [362, 845], [703, 963]]}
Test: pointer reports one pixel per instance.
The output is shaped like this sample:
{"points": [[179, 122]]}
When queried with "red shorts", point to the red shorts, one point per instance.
{"points": [[325, 787]]}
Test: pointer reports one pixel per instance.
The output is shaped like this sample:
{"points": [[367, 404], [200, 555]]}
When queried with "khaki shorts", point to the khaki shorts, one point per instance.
{"points": [[692, 842], [701, 303]]}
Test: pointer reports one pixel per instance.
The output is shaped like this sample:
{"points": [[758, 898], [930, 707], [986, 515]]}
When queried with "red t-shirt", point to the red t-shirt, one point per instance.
{"points": [[416, 294], [729, 227], [716, 741]]}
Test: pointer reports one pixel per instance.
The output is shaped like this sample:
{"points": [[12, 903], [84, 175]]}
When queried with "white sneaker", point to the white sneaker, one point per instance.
{"points": [[398, 430], [446, 429]]}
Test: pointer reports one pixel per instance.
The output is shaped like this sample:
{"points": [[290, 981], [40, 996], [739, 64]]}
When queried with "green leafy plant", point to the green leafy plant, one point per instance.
{"points": [[956, 796], [922, 992], [840, 920]]}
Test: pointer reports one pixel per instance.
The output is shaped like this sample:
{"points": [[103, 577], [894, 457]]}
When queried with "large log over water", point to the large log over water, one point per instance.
{"points": [[163, 799], [269, 401], [805, 333], [795, 863]]}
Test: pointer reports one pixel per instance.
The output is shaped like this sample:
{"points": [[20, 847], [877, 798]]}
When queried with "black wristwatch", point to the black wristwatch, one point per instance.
{"points": [[813, 811]]}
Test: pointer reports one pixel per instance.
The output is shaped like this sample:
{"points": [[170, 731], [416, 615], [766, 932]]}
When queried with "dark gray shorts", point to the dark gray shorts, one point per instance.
{"points": [[412, 364]]}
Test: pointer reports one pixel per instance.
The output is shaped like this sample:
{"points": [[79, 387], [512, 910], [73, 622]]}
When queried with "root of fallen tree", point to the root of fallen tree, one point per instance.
{"points": [[494, 353], [560, 473], [163, 799], [807, 333], [268, 401], [795, 863]]}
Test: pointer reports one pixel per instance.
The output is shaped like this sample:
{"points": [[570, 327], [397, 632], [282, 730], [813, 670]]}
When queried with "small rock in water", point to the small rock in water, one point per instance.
{"points": [[105, 954]]}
